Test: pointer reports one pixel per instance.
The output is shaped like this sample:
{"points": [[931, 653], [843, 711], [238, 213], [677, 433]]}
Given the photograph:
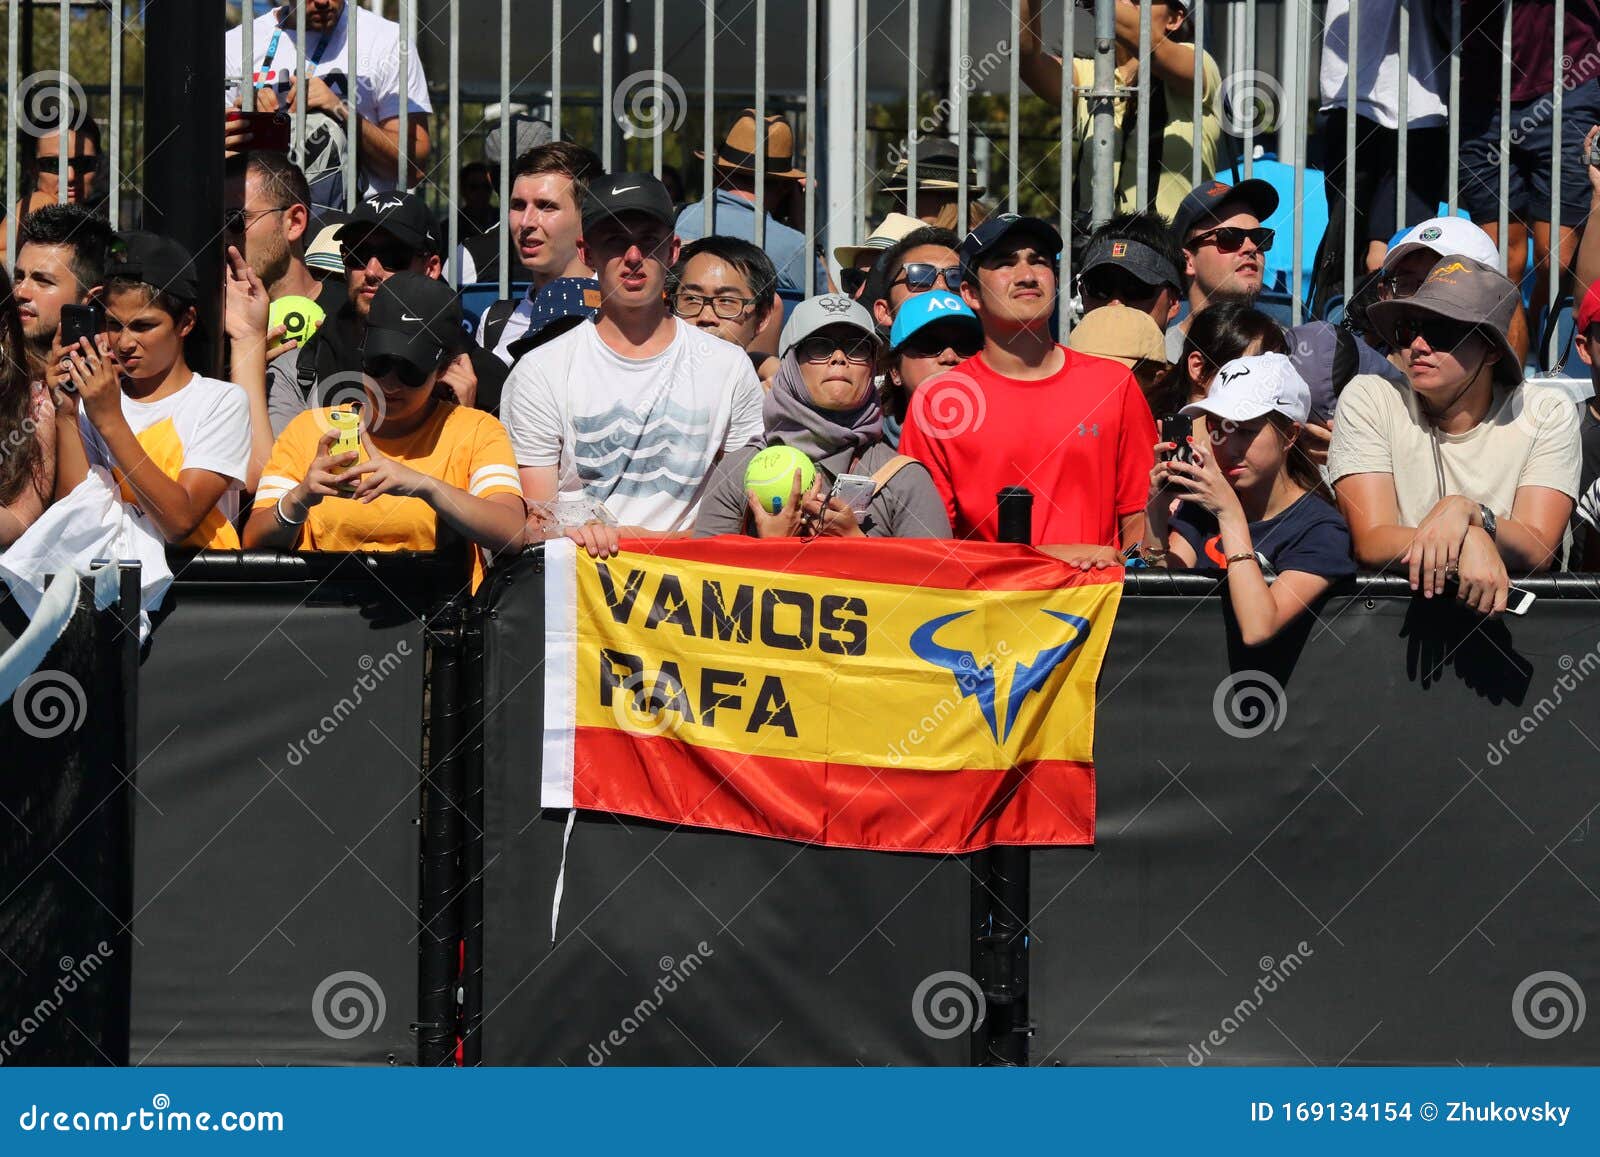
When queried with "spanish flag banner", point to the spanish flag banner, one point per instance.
{"points": [[900, 695]]}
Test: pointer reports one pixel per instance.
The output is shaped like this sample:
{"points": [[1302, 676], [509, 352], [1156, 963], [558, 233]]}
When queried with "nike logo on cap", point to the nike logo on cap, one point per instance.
{"points": [[408, 317], [624, 189]]}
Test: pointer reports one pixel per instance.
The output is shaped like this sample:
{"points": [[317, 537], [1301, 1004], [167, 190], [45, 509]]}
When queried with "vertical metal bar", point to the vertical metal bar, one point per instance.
{"points": [[661, 71], [13, 11], [300, 78], [247, 57], [352, 139], [811, 145], [863, 180], [708, 174], [608, 120], [1403, 129], [1454, 190], [555, 61], [1013, 141], [964, 142], [761, 123], [1350, 97], [65, 117], [913, 108], [506, 149], [453, 229], [1301, 45], [1104, 106], [114, 205], [1142, 145], [1558, 81], [1250, 120], [841, 214], [1068, 110], [408, 35], [1198, 15], [1505, 140]]}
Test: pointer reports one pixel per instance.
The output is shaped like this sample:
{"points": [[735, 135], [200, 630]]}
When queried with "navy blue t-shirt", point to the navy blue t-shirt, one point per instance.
{"points": [[1310, 536]]}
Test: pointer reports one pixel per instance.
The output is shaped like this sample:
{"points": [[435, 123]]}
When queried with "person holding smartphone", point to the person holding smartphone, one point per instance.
{"points": [[1247, 500], [824, 404]]}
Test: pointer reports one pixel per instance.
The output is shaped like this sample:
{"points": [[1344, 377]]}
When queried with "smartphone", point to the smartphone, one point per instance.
{"points": [[268, 130], [1518, 601], [81, 321], [855, 491], [347, 423], [1178, 428]]}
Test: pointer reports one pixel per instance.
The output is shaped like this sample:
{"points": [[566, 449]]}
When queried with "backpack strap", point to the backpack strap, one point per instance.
{"points": [[881, 476], [494, 321]]}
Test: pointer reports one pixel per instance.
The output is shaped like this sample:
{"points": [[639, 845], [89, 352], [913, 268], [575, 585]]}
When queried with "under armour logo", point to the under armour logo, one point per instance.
{"points": [[1090, 431]]}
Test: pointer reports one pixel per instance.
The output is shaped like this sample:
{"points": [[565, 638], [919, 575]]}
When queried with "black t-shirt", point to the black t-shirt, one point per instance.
{"points": [[1309, 536]]}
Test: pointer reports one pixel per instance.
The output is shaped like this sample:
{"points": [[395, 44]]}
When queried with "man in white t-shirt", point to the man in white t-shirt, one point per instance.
{"points": [[328, 106], [617, 424], [1468, 472]]}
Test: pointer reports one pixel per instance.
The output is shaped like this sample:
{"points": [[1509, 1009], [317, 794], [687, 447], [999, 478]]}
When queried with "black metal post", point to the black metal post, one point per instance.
{"points": [[439, 941], [182, 167], [472, 844], [1003, 941]]}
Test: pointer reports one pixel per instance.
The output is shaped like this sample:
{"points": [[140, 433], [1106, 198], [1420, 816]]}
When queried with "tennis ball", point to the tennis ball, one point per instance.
{"points": [[770, 476], [300, 316]]}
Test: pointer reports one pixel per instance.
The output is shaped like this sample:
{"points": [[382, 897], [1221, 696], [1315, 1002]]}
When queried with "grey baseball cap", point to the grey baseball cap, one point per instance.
{"points": [[823, 312], [1459, 289]]}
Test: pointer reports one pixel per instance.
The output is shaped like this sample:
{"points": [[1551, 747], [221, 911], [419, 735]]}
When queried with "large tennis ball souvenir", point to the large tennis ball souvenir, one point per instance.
{"points": [[300, 317], [770, 476]]}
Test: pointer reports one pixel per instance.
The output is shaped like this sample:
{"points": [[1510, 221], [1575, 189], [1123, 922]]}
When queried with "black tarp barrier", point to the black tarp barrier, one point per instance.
{"points": [[810, 955], [67, 734], [1417, 807], [277, 863]]}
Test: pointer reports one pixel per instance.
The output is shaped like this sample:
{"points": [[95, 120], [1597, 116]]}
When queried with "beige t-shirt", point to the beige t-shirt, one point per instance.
{"points": [[1530, 438], [1169, 169]]}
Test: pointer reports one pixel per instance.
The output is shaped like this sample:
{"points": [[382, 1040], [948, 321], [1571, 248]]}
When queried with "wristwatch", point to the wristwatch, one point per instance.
{"points": [[1488, 519]]}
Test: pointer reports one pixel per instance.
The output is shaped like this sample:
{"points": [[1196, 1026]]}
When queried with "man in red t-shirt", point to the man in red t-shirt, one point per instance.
{"points": [[1073, 429]]}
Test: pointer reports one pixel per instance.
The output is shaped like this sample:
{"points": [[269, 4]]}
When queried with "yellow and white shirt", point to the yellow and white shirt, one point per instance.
{"points": [[203, 426], [465, 448]]}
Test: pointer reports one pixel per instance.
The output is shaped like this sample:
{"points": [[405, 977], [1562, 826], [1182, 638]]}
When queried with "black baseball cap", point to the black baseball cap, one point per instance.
{"points": [[1134, 258], [1209, 197], [404, 216], [628, 193], [156, 261], [415, 318], [1002, 225]]}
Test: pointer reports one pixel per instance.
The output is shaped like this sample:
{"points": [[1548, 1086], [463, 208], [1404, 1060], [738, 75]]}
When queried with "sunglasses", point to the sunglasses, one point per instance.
{"points": [[236, 221], [394, 256], [1231, 238], [1438, 333], [923, 344], [382, 365], [817, 350], [851, 280], [919, 277], [1114, 285]]}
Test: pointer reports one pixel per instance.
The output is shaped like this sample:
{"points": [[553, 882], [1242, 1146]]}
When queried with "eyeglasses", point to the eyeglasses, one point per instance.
{"points": [[1438, 333], [1115, 285], [851, 280], [382, 365], [75, 162], [392, 255], [923, 344], [919, 277], [821, 349], [725, 306], [236, 221], [1231, 238], [1392, 286]]}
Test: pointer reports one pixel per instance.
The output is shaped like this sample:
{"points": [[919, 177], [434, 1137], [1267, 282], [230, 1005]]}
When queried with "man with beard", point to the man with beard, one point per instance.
{"points": [[267, 219]]}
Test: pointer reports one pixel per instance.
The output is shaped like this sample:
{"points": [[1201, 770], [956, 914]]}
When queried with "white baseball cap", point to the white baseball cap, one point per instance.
{"points": [[1446, 236], [1247, 388]]}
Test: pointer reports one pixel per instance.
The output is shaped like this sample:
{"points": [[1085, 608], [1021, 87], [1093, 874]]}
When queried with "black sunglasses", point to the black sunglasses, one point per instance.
{"points": [[1115, 285], [381, 365], [1438, 333], [851, 280], [924, 344], [236, 221], [1231, 238], [920, 276], [392, 255], [821, 349]]}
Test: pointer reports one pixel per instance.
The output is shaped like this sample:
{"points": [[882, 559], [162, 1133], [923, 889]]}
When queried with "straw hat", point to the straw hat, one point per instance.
{"points": [[737, 151], [891, 229]]}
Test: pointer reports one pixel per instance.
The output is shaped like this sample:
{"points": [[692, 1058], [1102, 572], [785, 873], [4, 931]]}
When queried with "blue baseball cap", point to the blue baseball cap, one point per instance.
{"points": [[997, 228], [924, 309]]}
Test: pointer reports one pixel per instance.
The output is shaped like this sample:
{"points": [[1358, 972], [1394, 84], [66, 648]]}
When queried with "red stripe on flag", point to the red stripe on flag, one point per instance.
{"points": [[918, 562], [839, 805]]}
